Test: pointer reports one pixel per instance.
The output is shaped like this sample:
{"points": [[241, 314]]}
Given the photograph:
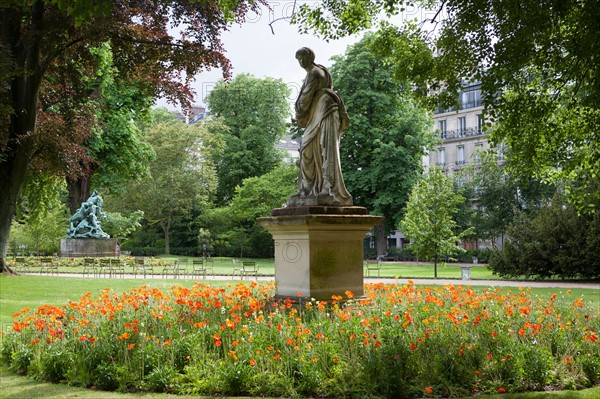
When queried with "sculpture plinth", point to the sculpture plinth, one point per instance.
{"points": [[88, 247], [319, 249]]}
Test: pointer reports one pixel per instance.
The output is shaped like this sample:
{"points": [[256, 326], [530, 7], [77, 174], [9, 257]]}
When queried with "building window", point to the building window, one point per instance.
{"points": [[442, 126], [460, 155], [441, 157], [391, 242], [478, 152], [471, 98], [480, 123], [462, 126]]}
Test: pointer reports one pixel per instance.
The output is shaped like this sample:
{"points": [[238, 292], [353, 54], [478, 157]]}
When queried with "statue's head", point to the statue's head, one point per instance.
{"points": [[305, 57]]}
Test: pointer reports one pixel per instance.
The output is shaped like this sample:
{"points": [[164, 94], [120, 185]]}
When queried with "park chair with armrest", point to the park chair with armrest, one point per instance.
{"points": [[140, 266], [237, 267], [49, 265], [90, 267], [181, 269], [199, 268], [249, 268], [21, 264], [104, 267], [170, 267], [117, 268], [372, 265]]}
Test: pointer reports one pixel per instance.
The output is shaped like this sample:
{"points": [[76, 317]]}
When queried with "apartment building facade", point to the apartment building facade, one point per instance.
{"points": [[461, 132], [462, 141]]}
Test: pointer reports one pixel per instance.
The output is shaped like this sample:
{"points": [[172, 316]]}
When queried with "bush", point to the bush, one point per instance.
{"points": [[553, 242]]}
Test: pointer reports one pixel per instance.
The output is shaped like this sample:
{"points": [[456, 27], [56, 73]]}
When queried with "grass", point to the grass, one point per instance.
{"points": [[16, 387], [223, 266]]}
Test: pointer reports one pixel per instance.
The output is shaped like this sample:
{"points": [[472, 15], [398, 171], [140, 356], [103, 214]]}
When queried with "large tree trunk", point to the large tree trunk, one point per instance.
{"points": [[23, 96], [79, 192], [381, 238], [14, 169]]}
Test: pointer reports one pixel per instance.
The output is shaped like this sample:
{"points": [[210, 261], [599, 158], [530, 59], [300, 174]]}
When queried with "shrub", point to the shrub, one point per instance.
{"points": [[552, 242]]}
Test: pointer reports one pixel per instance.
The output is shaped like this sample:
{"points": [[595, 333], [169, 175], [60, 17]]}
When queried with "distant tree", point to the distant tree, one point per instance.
{"points": [[181, 177], [40, 235], [429, 220], [537, 62], [495, 196], [43, 44], [119, 226], [255, 113], [236, 224], [116, 149], [388, 134]]}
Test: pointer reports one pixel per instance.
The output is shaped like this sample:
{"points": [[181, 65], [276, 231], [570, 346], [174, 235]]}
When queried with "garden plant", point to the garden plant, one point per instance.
{"points": [[396, 341]]}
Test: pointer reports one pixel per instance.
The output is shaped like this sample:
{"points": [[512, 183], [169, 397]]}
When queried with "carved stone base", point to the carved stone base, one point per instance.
{"points": [[317, 200], [88, 247], [319, 254]]}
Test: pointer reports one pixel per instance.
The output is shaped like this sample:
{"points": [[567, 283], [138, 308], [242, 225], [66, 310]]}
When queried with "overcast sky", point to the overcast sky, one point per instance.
{"points": [[252, 48]]}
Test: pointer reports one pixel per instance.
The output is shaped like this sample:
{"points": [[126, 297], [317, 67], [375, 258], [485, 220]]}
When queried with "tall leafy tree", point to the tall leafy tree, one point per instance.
{"points": [[537, 62], [388, 134], [181, 177], [42, 42], [495, 196], [116, 149], [235, 226], [552, 241], [429, 221], [255, 113]]}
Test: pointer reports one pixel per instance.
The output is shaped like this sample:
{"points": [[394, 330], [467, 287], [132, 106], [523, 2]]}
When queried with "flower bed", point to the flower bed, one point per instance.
{"points": [[398, 341]]}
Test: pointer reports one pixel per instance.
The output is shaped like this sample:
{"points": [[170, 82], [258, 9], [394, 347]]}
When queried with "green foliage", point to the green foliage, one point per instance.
{"points": [[382, 147], [494, 197], [118, 145], [181, 177], [46, 77], [553, 241], [42, 218], [234, 229], [536, 61], [257, 196], [254, 112], [429, 221], [119, 226]]}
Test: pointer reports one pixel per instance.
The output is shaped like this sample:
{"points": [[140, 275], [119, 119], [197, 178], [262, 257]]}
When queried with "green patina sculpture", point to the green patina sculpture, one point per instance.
{"points": [[85, 223]]}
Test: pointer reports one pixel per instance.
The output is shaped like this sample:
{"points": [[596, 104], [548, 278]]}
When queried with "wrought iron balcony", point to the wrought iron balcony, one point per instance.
{"points": [[460, 133]]}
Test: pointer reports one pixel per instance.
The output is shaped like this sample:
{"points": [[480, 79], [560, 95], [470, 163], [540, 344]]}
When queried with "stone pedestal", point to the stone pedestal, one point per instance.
{"points": [[88, 247], [319, 249]]}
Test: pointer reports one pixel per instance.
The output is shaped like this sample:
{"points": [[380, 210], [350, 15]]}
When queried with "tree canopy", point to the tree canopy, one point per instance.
{"points": [[181, 177], [537, 62], [255, 113], [388, 134], [43, 44], [429, 220]]}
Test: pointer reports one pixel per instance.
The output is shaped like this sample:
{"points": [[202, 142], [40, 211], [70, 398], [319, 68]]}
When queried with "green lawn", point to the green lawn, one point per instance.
{"points": [[224, 266]]}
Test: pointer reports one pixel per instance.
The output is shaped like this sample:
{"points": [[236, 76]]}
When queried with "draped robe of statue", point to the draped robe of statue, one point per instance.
{"points": [[323, 115]]}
